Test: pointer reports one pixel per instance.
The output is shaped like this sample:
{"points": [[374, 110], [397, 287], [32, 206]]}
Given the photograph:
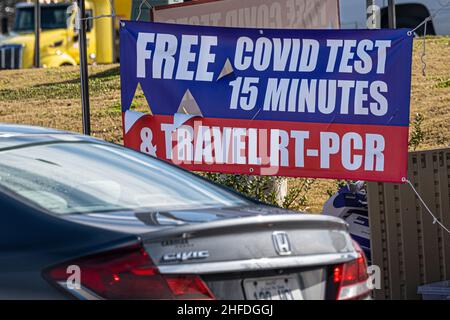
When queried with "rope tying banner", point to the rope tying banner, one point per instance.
{"points": [[435, 219], [424, 23]]}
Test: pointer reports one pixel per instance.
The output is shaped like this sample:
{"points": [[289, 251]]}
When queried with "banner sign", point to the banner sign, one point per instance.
{"points": [[286, 14], [301, 103]]}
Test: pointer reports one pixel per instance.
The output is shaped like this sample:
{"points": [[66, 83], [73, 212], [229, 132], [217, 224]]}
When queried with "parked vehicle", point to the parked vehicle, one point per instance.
{"points": [[131, 226], [59, 39], [409, 14], [350, 203]]}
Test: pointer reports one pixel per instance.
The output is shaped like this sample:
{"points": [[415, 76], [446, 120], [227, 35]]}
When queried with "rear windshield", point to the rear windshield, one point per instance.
{"points": [[67, 178]]}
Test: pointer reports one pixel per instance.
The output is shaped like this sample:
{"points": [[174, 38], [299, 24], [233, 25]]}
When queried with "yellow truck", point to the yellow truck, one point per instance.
{"points": [[59, 39]]}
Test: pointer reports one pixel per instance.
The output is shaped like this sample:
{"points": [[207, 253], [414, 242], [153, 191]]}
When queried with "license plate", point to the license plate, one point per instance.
{"points": [[273, 288]]}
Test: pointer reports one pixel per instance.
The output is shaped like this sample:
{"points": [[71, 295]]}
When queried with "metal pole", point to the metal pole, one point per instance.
{"points": [[37, 34], [84, 70], [114, 35], [391, 14]]}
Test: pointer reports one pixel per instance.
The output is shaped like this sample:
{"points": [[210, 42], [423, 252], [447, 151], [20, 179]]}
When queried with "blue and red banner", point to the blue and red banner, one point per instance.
{"points": [[301, 103]]}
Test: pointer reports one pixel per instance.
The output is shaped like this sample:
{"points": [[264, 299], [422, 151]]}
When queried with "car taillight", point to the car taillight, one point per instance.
{"points": [[127, 274], [351, 277]]}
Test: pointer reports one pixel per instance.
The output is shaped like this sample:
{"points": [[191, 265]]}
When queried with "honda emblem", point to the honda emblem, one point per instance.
{"points": [[281, 243]]}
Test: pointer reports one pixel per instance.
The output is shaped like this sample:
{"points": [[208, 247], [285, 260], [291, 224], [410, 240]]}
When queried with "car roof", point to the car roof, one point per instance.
{"points": [[14, 135], [12, 128]]}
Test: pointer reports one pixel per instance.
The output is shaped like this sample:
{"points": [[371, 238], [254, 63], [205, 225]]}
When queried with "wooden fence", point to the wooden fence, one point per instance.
{"points": [[406, 245]]}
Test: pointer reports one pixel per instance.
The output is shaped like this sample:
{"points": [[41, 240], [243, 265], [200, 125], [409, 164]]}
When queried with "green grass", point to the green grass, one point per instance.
{"points": [[443, 83]]}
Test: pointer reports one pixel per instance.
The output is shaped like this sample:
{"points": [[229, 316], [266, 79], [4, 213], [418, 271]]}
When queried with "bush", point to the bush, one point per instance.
{"points": [[417, 134], [266, 189]]}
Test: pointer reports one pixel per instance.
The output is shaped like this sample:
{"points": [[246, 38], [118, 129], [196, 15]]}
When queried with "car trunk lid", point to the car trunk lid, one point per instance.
{"points": [[252, 256]]}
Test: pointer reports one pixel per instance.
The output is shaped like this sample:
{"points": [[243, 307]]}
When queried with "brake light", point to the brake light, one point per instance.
{"points": [[351, 277], [127, 274]]}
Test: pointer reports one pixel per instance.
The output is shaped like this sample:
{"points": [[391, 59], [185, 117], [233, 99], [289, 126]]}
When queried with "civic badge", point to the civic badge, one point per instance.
{"points": [[281, 243]]}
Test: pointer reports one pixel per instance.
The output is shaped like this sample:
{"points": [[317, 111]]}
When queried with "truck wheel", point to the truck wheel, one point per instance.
{"points": [[409, 16]]}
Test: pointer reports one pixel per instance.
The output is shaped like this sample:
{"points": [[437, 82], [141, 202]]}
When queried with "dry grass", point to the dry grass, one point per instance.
{"points": [[50, 98], [430, 94]]}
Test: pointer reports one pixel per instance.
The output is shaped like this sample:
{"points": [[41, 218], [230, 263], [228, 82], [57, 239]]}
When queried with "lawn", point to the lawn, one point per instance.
{"points": [[51, 98]]}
